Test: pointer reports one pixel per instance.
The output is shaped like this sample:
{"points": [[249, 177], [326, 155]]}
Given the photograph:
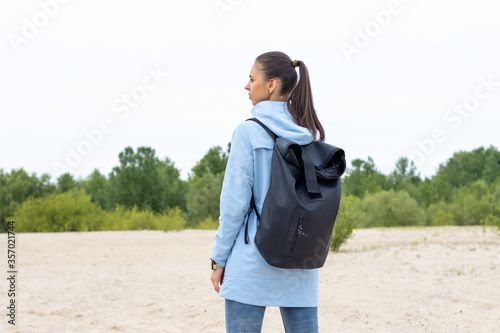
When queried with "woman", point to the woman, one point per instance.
{"points": [[240, 274]]}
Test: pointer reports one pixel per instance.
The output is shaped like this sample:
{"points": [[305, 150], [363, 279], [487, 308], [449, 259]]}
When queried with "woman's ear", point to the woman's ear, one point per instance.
{"points": [[272, 85]]}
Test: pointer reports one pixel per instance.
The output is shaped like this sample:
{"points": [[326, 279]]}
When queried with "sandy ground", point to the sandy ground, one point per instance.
{"points": [[383, 280]]}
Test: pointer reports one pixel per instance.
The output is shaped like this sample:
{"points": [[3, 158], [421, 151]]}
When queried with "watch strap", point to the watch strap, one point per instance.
{"points": [[215, 265]]}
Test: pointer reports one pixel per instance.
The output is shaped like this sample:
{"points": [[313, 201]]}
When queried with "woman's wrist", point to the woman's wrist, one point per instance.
{"points": [[215, 265]]}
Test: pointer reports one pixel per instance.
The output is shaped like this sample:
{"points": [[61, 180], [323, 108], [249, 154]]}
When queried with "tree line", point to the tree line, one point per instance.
{"points": [[146, 192], [140, 190], [464, 191]]}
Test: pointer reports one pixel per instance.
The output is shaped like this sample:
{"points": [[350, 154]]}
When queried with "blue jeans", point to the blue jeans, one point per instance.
{"points": [[245, 318]]}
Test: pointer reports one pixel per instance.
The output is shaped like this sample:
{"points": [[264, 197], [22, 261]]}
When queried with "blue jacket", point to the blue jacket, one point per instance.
{"points": [[248, 278]]}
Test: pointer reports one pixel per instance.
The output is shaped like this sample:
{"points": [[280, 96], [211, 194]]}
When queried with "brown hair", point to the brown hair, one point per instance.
{"points": [[278, 65]]}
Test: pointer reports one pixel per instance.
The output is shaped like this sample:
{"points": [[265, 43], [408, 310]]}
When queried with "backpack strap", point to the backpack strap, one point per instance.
{"points": [[271, 133], [254, 208], [310, 175], [309, 168], [252, 201]]}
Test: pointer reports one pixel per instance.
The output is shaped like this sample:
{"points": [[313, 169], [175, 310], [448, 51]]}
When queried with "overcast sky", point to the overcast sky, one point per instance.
{"points": [[82, 80]]}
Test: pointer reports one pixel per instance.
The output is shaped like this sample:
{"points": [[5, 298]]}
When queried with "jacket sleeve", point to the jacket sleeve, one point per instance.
{"points": [[236, 194]]}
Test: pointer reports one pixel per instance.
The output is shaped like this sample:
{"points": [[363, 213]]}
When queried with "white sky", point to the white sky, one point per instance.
{"points": [[67, 76]]}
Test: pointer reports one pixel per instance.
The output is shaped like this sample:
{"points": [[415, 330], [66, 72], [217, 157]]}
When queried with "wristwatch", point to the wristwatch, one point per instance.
{"points": [[215, 266]]}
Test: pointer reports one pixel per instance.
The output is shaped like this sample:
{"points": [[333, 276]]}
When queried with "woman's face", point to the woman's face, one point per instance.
{"points": [[258, 89]]}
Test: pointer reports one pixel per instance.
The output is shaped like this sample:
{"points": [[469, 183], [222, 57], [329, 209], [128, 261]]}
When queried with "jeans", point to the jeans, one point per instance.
{"points": [[245, 318]]}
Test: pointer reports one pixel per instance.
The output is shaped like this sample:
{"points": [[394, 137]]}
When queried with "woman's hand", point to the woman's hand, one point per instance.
{"points": [[217, 277]]}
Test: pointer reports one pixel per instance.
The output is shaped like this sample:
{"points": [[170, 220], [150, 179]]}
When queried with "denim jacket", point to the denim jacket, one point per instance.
{"points": [[248, 278]]}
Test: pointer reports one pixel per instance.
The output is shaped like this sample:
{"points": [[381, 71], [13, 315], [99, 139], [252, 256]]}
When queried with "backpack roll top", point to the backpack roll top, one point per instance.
{"points": [[290, 151], [328, 160]]}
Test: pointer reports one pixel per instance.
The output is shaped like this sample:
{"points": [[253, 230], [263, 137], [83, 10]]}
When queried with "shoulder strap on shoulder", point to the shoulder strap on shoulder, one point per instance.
{"points": [[253, 207], [271, 133]]}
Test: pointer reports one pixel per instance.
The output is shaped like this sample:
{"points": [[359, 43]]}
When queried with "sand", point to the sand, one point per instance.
{"points": [[444, 279]]}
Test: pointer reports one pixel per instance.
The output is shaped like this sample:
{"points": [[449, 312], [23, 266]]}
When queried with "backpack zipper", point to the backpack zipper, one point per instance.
{"points": [[296, 234]]}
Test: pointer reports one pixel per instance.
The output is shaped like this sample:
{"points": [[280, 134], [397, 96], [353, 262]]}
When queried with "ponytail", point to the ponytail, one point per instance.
{"points": [[278, 65], [301, 106]]}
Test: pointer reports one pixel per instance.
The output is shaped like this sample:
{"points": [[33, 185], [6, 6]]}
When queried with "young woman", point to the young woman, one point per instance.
{"points": [[240, 274]]}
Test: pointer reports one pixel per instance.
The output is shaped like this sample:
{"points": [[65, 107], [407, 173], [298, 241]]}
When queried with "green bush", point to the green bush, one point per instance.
{"points": [[69, 211], [390, 209], [441, 214], [348, 214], [476, 203], [208, 224], [16, 187], [74, 211], [173, 219], [123, 218], [491, 220]]}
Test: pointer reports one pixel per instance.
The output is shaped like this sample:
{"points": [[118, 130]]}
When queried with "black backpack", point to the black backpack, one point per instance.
{"points": [[300, 208]]}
